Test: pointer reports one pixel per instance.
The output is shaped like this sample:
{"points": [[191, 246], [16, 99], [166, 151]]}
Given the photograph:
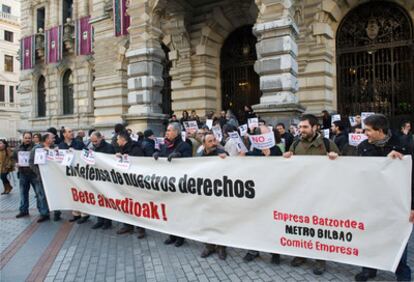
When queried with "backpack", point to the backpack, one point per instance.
{"points": [[326, 143]]}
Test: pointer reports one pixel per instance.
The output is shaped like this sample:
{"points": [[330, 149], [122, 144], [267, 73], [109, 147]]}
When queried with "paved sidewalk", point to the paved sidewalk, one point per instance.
{"points": [[62, 251]]}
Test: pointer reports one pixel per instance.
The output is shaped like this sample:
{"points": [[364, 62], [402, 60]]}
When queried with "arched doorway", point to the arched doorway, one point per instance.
{"points": [[375, 61], [240, 84]]}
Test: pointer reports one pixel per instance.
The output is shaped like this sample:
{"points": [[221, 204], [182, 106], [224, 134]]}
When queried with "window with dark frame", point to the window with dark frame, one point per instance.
{"points": [[8, 36], [6, 9], [2, 94], [67, 84], [67, 10], [40, 19], [8, 63], [41, 97], [11, 94]]}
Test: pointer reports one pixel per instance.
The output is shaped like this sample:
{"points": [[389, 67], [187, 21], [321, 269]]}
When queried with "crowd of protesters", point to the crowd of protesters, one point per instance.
{"points": [[304, 138]]}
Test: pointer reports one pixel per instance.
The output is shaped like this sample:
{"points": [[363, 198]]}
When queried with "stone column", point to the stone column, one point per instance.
{"points": [[110, 84], [276, 63], [145, 68]]}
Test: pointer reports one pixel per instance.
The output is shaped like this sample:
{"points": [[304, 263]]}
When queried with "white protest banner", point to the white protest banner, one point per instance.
{"points": [[243, 130], [122, 162], [277, 211], [364, 115], [263, 141], [88, 156], [191, 126], [335, 118], [23, 158], [355, 139], [240, 145], [68, 158], [253, 122], [209, 123], [40, 156], [217, 133]]}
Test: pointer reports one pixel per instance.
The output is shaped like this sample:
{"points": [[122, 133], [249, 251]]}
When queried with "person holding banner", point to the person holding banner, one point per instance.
{"points": [[46, 143], [6, 165], [272, 150], [69, 142], [130, 148], [311, 143], [101, 146], [210, 148], [382, 143], [285, 135], [26, 176], [174, 147]]}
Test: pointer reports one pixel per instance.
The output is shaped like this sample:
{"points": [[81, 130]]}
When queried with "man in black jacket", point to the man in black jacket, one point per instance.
{"points": [[69, 142], [340, 134], [381, 143], [174, 147], [128, 147], [210, 149], [148, 144], [101, 146], [25, 173]]}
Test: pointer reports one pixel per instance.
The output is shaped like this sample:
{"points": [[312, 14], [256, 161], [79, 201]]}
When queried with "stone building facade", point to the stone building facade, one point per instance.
{"points": [[9, 68], [173, 53]]}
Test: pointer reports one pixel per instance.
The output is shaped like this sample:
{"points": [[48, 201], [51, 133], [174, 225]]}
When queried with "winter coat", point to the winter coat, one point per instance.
{"points": [[131, 148], [341, 140], [148, 146], [76, 145], [104, 147], [6, 161], [179, 146], [315, 147]]}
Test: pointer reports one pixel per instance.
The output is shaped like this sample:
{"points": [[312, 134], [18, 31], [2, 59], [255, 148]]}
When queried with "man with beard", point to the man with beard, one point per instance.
{"points": [[174, 147], [311, 143]]}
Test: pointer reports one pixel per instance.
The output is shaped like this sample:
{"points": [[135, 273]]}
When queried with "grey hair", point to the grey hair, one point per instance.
{"points": [[176, 126], [97, 134]]}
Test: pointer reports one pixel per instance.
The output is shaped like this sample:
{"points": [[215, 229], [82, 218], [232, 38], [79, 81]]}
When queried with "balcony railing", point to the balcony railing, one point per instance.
{"points": [[9, 17]]}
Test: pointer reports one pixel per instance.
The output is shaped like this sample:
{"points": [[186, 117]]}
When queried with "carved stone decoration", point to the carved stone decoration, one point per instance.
{"points": [[40, 44], [69, 36]]}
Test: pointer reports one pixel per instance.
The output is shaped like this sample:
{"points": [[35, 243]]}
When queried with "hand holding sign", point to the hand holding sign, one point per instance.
{"points": [[253, 123], [263, 141]]}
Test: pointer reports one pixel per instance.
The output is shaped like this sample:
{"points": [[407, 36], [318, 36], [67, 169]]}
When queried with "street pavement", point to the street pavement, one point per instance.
{"points": [[63, 251]]}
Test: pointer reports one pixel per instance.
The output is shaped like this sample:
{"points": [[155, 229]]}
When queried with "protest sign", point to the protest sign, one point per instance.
{"points": [[263, 141], [68, 158], [88, 156], [40, 156], [23, 158], [355, 139], [335, 118], [218, 134], [191, 126], [240, 145], [364, 115], [122, 162], [209, 123], [253, 122], [243, 130]]}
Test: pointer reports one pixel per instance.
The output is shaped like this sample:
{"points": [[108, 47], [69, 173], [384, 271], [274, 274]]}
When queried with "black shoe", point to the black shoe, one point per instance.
{"points": [[249, 257], [170, 240], [275, 259], [56, 217], [364, 275], [106, 226], [141, 233], [221, 252], [97, 225], [297, 261], [207, 252], [179, 242], [83, 219], [22, 214], [75, 218], [125, 229], [320, 267], [43, 218]]}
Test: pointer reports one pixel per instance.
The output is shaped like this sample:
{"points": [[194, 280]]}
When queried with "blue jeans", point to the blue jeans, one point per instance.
{"points": [[25, 181], [403, 271]]}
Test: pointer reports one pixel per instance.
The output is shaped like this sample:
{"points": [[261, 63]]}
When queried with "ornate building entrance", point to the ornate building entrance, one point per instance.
{"points": [[375, 61], [239, 82]]}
